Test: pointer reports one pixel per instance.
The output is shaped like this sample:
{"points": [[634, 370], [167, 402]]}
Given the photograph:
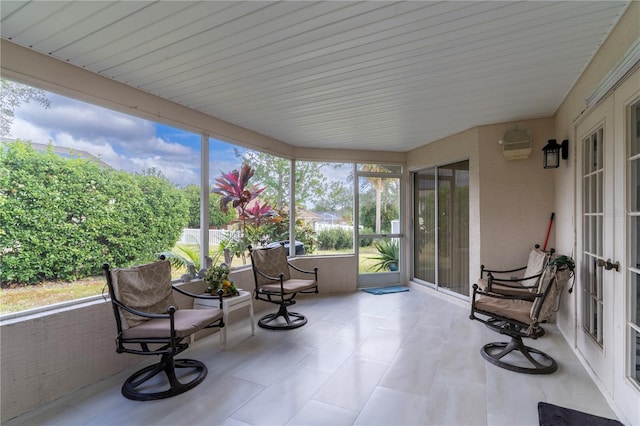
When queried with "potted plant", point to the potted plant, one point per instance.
{"points": [[388, 254], [217, 277]]}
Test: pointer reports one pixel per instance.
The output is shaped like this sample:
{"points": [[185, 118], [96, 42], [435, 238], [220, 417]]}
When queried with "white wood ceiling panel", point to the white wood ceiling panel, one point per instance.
{"points": [[118, 32], [192, 45], [290, 47], [102, 18], [453, 74], [177, 26], [364, 75], [191, 72], [349, 37], [49, 37], [8, 8], [469, 60], [33, 13], [353, 54], [290, 76], [437, 42]]}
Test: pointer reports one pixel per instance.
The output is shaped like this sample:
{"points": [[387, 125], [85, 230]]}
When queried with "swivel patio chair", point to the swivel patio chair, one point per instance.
{"points": [[521, 281], [146, 314], [518, 317], [275, 284]]}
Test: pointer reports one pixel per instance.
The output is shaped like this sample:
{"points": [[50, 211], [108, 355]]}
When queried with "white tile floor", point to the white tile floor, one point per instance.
{"points": [[398, 359]]}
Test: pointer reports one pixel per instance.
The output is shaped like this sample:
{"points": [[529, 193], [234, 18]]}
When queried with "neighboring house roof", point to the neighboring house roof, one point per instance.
{"points": [[63, 151]]}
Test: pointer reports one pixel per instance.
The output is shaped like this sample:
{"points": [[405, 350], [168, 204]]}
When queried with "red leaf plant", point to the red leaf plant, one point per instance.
{"points": [[235, 189]]}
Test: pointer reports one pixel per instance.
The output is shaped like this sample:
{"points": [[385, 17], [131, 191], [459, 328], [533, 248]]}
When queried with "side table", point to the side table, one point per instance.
{"points": [[229, 304]]}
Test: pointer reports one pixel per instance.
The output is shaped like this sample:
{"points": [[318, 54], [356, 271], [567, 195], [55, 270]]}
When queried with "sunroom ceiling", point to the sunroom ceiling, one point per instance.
{"points": [[362, 75]]}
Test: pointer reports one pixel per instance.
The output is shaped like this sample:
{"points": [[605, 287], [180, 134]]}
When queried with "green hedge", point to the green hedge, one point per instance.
{"points": [[61, 218], [335, 239]]}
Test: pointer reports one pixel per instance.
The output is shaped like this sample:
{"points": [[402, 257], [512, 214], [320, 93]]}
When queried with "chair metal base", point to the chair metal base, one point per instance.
{"points": [[291, 320], [494, 352], [130, 388], [497, 325]]}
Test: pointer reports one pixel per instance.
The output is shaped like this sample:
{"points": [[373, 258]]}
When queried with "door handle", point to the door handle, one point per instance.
{"points": [[607, 265]]}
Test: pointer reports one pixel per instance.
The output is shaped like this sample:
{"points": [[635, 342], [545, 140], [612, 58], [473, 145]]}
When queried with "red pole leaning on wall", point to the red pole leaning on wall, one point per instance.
{"points": [[546, 239]]}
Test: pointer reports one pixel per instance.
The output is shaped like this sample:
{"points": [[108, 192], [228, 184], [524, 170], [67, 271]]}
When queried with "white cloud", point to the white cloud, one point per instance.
{"points": [[124, 142]]}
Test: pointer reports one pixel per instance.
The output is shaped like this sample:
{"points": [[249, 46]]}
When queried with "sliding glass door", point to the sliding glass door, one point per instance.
{"points": [[441, 227]]}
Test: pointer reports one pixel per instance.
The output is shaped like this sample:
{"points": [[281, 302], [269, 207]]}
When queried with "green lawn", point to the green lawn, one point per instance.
{"points": [[20, 298], [33, 296]]}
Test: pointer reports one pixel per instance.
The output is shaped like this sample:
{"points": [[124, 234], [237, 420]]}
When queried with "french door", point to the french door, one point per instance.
{"points": [[608, 274]]}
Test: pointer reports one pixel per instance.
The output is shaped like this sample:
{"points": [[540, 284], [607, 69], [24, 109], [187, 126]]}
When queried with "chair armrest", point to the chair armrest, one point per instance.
{"points": [[512, 282], [169, 313], [200, 296], [305, 271], [499, 271]]}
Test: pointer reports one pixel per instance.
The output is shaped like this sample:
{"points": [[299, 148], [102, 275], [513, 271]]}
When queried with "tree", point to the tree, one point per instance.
{"points": [[12, 95], [337, 199], [379, 203], [217, 218], [378, 184], [63, 217], [273, 172]]}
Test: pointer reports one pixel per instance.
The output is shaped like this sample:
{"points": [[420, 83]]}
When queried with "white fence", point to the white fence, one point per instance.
{"points": [[192, 236], [317, 227]]}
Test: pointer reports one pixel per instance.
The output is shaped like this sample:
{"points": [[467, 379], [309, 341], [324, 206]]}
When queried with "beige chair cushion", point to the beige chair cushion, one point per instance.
{"points": [[186, 322], [146, 288], [293, 285], [516, 309], [557, 280], [537, 261], [271, 262]]}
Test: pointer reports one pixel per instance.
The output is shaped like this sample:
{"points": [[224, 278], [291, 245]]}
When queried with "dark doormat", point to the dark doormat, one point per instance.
{"points": [[553, 415], [386, 290]]}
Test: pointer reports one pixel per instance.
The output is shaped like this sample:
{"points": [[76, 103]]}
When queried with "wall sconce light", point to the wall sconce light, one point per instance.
{"points": [[553, 151]]}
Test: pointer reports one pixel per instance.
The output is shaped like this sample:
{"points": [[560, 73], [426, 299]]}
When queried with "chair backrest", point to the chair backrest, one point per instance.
{"points": [[270, 261], [146, 288], [551, 284], [538, 260]]}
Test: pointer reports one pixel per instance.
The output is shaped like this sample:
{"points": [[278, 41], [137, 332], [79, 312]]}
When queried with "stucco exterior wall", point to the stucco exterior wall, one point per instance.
{"points": [[516, 196], [612, 50]]}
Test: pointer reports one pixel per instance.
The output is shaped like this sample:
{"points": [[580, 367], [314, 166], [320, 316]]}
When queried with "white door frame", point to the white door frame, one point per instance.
{"points": [[598, 354], [610, 363], [626, 390]]}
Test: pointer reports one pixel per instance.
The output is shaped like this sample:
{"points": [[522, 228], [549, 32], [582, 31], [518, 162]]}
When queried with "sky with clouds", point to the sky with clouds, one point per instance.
{"points": [[122, 141]]}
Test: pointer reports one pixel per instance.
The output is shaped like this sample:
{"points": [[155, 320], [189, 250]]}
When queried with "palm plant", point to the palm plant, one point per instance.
{"points": [[388, 256], [186, 257]]}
